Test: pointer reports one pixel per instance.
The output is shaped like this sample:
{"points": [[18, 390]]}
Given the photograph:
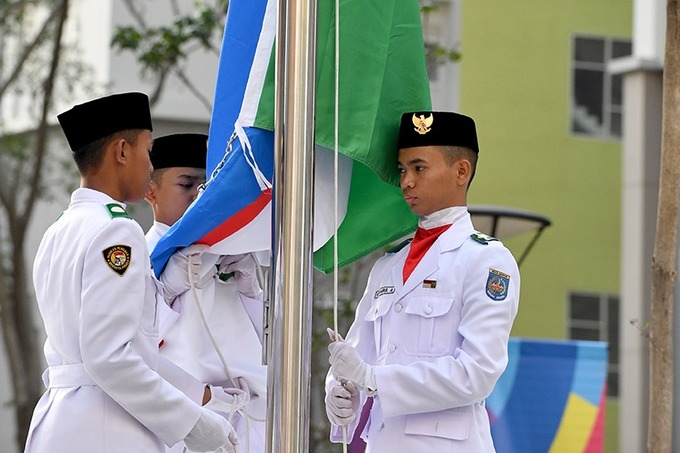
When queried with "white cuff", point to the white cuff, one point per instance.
{"points": [[369, 380]]}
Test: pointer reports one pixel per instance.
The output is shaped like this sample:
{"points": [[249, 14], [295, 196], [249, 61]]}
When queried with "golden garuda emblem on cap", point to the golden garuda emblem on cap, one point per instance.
{"points": [[422, 124]]}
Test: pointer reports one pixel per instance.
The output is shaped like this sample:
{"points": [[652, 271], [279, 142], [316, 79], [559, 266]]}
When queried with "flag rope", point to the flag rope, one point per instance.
{"points": [[262, 180], [218, 351], [336, 164]]}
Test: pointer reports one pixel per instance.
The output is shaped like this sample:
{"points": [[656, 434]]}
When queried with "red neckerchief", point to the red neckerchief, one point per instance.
{"points": [[421, 243]]}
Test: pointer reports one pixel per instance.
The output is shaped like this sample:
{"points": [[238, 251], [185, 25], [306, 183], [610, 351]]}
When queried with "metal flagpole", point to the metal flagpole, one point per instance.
{"points": [[290, 335]]}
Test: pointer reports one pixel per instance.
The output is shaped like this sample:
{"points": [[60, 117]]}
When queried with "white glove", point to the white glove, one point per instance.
{"points": [[347, 364], [342, 404], [212, 433], [175, 276], [227, 401], [244, 270]]}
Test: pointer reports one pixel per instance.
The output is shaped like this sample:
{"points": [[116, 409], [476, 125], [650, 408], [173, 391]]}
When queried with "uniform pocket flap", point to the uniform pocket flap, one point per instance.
{"points": [[429, 306], [379, 309], [449, 424]]}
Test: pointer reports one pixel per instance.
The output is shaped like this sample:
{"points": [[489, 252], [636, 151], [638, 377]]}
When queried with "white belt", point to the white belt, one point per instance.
{"points": [[61, 376]]}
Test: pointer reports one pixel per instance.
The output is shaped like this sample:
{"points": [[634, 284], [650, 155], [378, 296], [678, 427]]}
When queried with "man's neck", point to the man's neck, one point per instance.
{"points": [[100, 183], [445, 216]]}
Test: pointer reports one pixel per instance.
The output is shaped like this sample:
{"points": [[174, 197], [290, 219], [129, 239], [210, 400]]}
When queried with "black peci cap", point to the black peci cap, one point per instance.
{"points": [[99, 118], [179, 150], [437, 129]]}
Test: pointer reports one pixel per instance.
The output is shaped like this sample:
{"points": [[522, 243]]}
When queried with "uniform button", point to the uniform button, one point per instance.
{"points": [[382, 425], [428, 310], [398, 307], [393, 348]]}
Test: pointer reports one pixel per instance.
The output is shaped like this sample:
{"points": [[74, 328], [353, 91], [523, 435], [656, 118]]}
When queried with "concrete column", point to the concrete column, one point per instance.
{"points": [[640, 187]]}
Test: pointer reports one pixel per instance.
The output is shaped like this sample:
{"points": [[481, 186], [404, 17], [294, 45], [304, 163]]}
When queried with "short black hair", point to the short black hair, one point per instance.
{"points": [[157, 175], [455, 153], [90, 156]]}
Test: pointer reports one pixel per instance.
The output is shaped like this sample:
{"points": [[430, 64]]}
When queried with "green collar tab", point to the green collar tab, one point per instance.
{"points": [[399, 246], [116, 210], [482, 238]]}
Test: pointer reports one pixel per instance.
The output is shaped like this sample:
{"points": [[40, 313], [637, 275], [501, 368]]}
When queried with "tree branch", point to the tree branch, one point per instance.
{"points": [[41, 141], [664, 259], [136, 14], [26, 53], [15, 6], [185, 80]]}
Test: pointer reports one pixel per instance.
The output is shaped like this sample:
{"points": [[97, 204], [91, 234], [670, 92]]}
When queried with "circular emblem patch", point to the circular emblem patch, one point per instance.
{"points": [[118, 258]]}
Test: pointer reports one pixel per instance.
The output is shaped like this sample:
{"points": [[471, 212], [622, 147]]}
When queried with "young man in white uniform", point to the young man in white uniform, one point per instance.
{"points": [[178, 171], [430, 336], [224, 304], [108, 389]]}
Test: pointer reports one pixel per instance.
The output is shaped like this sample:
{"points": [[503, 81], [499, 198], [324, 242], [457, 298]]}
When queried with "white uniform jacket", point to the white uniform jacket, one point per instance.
{"points": [[97, 299], [234, 321], [438, 343], [167, 317], [155, 233]]}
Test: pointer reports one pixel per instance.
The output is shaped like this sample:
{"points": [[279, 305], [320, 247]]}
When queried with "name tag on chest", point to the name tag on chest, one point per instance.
{"points": [[384, 290]]}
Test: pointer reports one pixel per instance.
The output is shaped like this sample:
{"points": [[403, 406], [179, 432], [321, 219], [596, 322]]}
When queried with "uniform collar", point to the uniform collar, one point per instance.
{"points": [[84, 195], [460, 230], [449, 240], [446, 216], [162, 228]]}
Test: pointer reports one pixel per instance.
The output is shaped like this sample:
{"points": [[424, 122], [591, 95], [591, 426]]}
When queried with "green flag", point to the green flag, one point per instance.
{"points": [[382, 75]]}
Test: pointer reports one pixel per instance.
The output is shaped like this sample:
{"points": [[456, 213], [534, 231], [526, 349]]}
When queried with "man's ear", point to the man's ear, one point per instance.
{"points": [[464, 172], [121, 151], [150, 195]]}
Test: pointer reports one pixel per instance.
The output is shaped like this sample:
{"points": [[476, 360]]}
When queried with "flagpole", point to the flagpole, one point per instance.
{"points": [[291, 307]]}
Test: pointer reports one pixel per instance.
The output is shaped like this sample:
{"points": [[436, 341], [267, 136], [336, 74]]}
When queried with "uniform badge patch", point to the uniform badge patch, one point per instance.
{"points": [[497, 285], [118, 258]]}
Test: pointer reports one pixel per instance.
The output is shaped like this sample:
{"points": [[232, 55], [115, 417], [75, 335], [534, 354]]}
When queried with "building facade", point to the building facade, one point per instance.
{"points": [[550, 119]]}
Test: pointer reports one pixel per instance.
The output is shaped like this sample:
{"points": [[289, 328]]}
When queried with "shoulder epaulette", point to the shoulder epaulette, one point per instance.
{"points": [[116, 210], [482, 238], [399, 246]]}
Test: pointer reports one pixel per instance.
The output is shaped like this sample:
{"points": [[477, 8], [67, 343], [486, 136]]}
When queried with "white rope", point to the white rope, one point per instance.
{"points": [[247, 150], [262, 181], [217, 349], [336, 147]]}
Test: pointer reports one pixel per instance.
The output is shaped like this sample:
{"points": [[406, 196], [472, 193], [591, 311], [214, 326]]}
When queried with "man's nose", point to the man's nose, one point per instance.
{"points": [[406, 183]]}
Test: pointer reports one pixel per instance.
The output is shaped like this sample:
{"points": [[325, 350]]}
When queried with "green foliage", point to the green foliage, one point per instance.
{"points": [[440, 55], [434, 53], [14, 145], [158, 48]]}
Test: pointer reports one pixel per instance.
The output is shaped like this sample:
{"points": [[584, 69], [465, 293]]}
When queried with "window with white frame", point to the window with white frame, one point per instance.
{"points": [[596, 95], [595, 317]]}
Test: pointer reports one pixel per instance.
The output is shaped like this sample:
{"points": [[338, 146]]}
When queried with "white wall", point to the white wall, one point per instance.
{"points": [[443, 27]]}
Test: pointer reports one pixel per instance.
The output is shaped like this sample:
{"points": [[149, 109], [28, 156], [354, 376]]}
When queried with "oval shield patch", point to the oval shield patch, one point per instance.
{"points": [[118, 258], [497, 285]]}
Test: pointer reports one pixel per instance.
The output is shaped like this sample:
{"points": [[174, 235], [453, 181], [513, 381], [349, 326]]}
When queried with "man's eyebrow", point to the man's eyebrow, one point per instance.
{"points": [[192, 177], [417, 160]]}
